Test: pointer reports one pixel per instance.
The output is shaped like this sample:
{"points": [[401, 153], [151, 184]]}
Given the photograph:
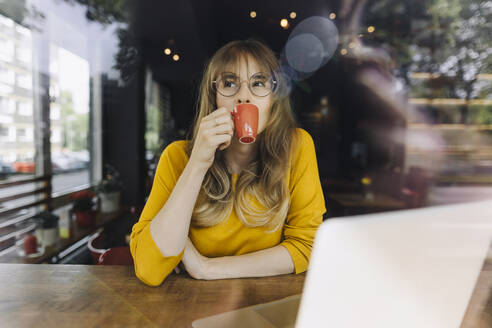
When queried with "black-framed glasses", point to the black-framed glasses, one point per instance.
{"points": [[260, 84]]}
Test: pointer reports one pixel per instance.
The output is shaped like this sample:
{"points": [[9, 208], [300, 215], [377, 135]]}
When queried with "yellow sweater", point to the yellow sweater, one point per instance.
{"points": [[232, 237]]}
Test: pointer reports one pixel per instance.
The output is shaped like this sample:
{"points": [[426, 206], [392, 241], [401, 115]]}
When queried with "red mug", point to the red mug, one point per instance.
{"points": [[246, 122]]}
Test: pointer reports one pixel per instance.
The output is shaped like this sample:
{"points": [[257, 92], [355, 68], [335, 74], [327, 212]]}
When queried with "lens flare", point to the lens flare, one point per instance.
{"points": [[311, 44], [304, 52]]}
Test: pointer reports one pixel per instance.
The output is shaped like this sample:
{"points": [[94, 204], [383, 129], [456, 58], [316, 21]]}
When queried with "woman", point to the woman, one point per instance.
{"points": [[226, 209]]}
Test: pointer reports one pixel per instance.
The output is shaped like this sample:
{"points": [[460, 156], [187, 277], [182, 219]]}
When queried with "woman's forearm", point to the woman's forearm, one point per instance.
{"points": [[267, 262], [169, 228]]}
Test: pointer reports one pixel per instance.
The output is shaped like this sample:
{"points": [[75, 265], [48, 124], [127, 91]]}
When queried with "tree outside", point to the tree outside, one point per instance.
{"points": [[75, 126]]}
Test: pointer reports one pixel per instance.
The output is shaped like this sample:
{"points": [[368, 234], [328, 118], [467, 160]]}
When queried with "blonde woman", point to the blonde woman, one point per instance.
{"points": [[226, 209]]}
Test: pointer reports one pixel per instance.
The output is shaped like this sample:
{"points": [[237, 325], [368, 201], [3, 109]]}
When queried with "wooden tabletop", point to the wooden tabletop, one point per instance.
{"points": [[59, 296], [44, 295]]}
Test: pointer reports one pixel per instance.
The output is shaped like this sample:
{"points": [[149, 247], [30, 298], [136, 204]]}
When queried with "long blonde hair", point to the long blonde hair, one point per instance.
{"points": [[264, 178]]}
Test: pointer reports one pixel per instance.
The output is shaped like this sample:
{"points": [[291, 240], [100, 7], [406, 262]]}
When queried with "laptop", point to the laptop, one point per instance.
{"points": [[412, 268]]}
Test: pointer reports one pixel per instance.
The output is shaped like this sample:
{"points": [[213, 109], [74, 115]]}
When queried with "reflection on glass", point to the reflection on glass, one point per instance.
{"points": [[440, 59], [16, 100]]}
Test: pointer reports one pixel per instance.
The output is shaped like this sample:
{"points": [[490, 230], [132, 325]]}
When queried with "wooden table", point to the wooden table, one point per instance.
{"points": [[44, 295], [111, 296]]}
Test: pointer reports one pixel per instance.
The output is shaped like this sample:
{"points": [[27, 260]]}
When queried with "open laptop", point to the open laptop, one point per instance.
{"points": [[412, 268]]}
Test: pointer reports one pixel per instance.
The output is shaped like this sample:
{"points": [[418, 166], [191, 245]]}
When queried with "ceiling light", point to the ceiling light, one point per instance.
{"points": [[252, 14], [167, 51], [371, 29], [284, 23], [175, 57], [343, 51], [293, 15], [333, 16]]}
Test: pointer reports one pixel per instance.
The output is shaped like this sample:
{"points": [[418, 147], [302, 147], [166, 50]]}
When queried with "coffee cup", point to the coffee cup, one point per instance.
{"points": [[246, 122]]}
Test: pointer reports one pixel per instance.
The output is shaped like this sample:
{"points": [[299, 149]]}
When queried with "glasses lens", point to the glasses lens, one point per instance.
{"points": [[228, 84], [261, 84]]}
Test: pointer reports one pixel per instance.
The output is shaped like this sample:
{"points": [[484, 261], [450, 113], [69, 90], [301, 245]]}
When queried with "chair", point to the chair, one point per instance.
{"points": [[95, 244], [116, 256], [110, 256]]}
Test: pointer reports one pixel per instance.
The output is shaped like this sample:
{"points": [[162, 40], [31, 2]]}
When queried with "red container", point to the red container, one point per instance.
{"points": [[85, 219], [30, 244], [246, 122]]}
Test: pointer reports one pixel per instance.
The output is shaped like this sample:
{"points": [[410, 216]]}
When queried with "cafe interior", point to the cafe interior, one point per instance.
{"points": [[396, 95]]}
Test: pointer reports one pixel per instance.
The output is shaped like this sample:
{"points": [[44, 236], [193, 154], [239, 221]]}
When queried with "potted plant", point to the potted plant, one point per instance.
{"points": [[83, 207], [109, 190]]}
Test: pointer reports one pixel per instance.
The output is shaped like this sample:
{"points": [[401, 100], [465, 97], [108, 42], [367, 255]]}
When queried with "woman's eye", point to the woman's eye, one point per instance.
{"points": [[229, 84], [258, 84]]}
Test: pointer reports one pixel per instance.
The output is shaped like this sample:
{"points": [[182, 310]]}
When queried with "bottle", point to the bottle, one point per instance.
{"points": [[65, 226]]}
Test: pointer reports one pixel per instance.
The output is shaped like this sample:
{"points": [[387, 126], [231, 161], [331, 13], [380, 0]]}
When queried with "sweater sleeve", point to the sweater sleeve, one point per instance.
{"points": [[151, 267], [307, 203]]}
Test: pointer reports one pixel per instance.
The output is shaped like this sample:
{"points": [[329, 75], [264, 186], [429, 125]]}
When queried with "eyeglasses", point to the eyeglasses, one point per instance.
{"points": [[260, 84]]}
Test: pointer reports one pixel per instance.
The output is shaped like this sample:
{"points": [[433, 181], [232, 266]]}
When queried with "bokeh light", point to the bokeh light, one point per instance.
{"points": [[284, 23]]}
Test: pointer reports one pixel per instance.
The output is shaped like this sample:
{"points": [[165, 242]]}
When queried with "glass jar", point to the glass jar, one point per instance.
{"points": [[47, 228]]}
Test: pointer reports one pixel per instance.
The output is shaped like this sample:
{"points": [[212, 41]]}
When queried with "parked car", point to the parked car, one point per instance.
{"points": [[66, 163], [24, 166], [82, 157], [28, 166], [6, 169]]}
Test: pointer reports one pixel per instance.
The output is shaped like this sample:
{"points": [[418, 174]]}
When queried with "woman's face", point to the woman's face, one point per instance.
{"points": [[244, 95]]}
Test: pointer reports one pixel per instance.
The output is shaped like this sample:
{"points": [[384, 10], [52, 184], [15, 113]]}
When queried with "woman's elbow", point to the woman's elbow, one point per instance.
{"points": [[148, 277]]}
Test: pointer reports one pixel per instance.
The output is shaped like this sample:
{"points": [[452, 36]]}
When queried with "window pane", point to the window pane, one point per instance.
{"points": [[69, 114], [16, 101], [53, 46], [76, 53]]}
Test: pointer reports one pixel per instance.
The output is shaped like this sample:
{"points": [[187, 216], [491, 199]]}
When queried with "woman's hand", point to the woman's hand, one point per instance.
{"points": [[215, 131], [194, 263]]}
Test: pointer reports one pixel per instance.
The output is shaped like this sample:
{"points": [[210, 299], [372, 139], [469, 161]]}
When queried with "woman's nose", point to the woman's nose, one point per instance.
{"points": [[243, 95]]}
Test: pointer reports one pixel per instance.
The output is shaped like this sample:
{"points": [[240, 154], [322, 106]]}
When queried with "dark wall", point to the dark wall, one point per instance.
{"points": [[183, 104], [123, 134]]}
